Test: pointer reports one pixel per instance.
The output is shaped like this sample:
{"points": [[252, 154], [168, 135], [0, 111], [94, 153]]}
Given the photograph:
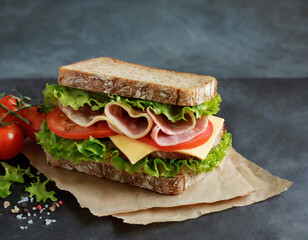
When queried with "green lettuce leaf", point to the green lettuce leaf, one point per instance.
{"points": [[75, 150], [97, 150], [38, 189], [5, 188], [12, 174], [77, 98]]}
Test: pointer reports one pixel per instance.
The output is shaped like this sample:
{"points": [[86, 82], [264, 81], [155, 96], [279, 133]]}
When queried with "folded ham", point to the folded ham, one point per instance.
{"points": [[124, 119], [161, 138]]}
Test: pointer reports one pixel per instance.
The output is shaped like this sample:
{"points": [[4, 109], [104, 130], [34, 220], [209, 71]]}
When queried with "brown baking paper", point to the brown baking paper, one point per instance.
{"points": [[267, 185], [103, 197]]}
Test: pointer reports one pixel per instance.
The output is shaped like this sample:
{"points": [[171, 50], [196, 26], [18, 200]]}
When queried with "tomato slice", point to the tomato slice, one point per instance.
{"points": [[202, 138], [61, 125]]}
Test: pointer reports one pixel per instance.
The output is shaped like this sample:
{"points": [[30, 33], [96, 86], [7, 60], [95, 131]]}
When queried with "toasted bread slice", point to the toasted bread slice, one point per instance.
{"points": [[136, 81]]}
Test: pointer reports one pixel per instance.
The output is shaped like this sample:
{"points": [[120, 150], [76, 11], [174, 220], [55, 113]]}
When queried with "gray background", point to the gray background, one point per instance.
{"points": [[235, 41], [220, 38]]}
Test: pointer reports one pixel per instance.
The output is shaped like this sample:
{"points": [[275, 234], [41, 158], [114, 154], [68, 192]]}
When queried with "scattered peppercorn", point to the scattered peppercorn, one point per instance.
{"points": [[23, 205], [6, 204], [26, 210], [39, 207], [52, 208], [15, 210]]}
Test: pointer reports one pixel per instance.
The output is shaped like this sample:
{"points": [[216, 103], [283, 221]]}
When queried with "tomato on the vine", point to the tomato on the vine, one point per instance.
{"points": [[10, 102], [36, 119], [11, 141]]}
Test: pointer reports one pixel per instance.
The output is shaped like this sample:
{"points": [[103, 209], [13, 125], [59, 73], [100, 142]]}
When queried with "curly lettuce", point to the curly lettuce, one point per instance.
{"points": [[78, 98], [98, 150], [38, 189]]}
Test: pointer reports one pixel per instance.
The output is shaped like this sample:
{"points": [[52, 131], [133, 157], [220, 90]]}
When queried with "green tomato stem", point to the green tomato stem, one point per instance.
{"points": [[14, 114]]}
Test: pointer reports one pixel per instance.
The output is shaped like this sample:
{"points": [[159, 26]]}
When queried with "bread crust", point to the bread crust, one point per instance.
{"points": [[177, 88], [163, 185]]}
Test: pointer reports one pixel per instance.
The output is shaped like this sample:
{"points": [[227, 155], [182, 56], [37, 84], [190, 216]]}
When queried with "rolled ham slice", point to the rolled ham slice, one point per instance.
{"points": [[120, 117], [163, 139], [132, 123], [84, 116], [173, 128]]}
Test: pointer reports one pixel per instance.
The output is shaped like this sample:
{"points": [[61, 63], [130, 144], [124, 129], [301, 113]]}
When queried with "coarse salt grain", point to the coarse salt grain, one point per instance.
{"points": [[19, 216], [31, 199], [29, 214], [23, 218], [25, 199], [34, 214], [30, 222], [40, 217], [48, 213], [47, 221]]}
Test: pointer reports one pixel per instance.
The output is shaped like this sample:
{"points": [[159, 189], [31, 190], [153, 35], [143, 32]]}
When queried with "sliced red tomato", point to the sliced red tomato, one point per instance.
{"points": [[35, 118], [61, 125], [202, 138]]}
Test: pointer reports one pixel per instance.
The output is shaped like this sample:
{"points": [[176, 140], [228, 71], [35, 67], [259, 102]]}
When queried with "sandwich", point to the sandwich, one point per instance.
{"points": [[133, 124]]}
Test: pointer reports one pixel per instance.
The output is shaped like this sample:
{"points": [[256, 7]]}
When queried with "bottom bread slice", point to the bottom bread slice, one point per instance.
{"points": [[163, 185]]}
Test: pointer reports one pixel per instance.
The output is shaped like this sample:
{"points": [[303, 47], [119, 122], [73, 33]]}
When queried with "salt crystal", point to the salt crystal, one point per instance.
{"points": [[46, 206], [40, 217], [31, 199], [29, 214], [48, 213], [19, 216], [30, 222], [23, 218], [41, 210], [34, 214], [47, 221], [25, 199]]}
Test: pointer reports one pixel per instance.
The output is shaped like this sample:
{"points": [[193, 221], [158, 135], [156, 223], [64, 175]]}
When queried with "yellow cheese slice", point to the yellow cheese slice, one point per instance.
{"points": [[135, 150]]}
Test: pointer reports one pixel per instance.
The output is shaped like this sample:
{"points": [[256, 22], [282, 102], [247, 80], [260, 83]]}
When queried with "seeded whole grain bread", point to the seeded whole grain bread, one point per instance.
{"points": [[163, 185], [113, 76]]}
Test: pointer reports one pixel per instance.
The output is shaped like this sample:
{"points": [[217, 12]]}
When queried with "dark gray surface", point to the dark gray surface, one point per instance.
{"points": [[268, 120], [237, 38]]}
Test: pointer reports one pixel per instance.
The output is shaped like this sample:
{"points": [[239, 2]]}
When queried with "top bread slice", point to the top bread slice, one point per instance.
{"points": [[113, 76]]}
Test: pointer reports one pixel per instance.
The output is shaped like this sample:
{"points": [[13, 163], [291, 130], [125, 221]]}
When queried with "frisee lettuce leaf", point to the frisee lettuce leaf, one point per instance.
{"points": [[12, 174], [16, 174], [97, 150], [38, 189], [77, 98]]}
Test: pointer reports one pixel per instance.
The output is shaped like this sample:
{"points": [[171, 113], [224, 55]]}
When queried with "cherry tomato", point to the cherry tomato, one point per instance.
{"points": [[195, 142], [11, 141], [61, 125], [10, 102], [35, 118]]}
